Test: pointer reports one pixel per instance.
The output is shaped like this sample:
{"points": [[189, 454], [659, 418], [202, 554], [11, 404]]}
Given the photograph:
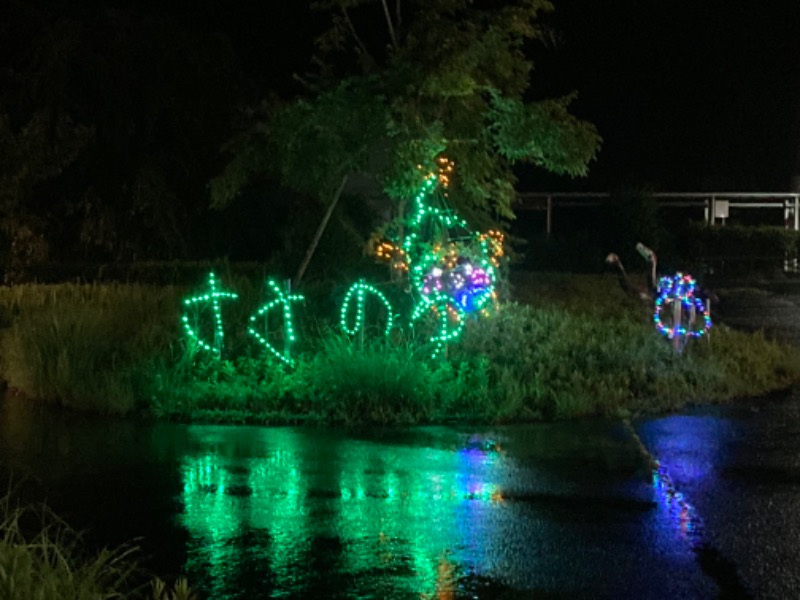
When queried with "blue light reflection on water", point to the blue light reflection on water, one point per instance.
{"points": [[251, 512], [688, 450]]}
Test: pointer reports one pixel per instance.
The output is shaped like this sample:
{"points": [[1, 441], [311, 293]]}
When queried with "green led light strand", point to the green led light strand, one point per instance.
{"points": [[213, 295], [359, 290], [288, 326], [446, 332], [452, 275]]}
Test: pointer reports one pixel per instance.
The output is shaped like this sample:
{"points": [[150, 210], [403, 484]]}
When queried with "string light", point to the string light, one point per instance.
{"points": [[360, 289], [392, 253], [213, 296], [680, 288], [288, 326], [451, 278]]}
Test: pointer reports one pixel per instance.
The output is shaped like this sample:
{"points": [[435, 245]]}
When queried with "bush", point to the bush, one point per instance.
{"points": [[740, 249]]}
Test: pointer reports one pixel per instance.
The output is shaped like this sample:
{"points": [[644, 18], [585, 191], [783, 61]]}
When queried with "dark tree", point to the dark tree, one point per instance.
{"points": [[399, 83], [110, 124]]}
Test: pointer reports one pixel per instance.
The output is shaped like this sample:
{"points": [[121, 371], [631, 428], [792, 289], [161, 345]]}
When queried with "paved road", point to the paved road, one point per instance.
{"points": [[738, 468], [773, 307]]}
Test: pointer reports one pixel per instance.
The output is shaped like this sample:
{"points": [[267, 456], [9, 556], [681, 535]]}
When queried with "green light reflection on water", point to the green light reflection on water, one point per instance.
{"points": [[404, 519]]}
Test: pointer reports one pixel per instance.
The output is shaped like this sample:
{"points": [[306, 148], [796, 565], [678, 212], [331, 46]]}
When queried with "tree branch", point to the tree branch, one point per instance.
{"points": [[320, 230], [398, 14], [353, 32], [389, 24]]}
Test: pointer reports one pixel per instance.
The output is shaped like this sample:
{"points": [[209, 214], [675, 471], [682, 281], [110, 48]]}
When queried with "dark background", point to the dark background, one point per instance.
{"points": [[687, 95]]}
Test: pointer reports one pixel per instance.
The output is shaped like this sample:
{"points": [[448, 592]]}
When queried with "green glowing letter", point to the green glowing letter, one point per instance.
{"points": [[212, 296], [288, 327]]}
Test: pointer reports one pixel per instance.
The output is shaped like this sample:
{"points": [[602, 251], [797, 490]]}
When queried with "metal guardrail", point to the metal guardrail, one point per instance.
{"points": [[716, 205]]}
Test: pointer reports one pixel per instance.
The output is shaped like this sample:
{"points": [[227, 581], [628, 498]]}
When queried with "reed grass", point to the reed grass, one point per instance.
{"points": [[43, 558], [87, 347]]}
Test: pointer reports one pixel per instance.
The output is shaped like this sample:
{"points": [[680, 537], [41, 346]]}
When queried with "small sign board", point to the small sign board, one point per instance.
{"points": [[721, 209]]}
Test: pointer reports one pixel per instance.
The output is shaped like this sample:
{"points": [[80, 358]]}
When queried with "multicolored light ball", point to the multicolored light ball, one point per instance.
{"points": [[680, 288]]}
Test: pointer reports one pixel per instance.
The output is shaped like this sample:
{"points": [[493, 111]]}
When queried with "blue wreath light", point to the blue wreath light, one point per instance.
{"points": [[680, 288]]}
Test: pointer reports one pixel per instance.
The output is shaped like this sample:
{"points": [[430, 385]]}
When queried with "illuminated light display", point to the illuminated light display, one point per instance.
{"points": [[451, 270], [677, 295], [450, 323], [452, 275], [359, 290], [212, 296], [393, 254], [494, 240], [288, 326]]}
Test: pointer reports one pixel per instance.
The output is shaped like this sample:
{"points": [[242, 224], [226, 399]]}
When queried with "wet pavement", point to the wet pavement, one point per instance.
{"points": [[562, 510], [770, 306], [739, 467]]}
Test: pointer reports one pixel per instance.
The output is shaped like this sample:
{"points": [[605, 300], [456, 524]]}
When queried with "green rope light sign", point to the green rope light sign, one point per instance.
{"points": [[359, 291], [212, 296], [288, 326]]}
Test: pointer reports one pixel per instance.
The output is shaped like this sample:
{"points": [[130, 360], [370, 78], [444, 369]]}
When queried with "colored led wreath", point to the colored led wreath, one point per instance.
{"points": [[450, 279], [679, 288], [359, 290], [213, 296], [288, 326]]}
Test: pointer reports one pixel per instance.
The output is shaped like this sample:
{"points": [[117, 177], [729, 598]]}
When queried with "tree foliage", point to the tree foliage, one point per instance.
{"points": [[110, 123], [398, 83]]}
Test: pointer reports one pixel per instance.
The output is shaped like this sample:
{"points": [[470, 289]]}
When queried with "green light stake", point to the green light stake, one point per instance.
{"points": [[360, 289], [213, 296], [288, 327]]}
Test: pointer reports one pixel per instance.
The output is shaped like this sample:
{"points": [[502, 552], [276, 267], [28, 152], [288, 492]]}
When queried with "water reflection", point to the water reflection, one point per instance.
{"points": [[553, 510], [681, 512], [397, 519]]}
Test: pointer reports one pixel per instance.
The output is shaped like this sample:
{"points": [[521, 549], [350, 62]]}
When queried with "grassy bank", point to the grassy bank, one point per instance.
{"points": [[570, 346]]}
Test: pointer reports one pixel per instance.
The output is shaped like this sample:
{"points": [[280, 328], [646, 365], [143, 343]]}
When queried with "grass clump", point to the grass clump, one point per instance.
{"points": [[376, 381], [555, 363], [87, 347], [42, 558]]}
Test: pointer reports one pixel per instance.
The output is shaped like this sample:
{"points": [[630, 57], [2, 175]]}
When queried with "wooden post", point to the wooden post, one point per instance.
{"points": [[549, 216], [318, 235]]}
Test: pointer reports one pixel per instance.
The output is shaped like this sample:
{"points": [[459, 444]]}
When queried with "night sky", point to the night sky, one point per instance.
{"points": [[688, 95]]}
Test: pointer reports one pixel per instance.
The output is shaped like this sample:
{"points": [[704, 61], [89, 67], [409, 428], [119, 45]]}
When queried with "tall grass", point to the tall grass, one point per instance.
{"points": [[42, 558], [577, 346], [375, 382], [88, 347]]}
